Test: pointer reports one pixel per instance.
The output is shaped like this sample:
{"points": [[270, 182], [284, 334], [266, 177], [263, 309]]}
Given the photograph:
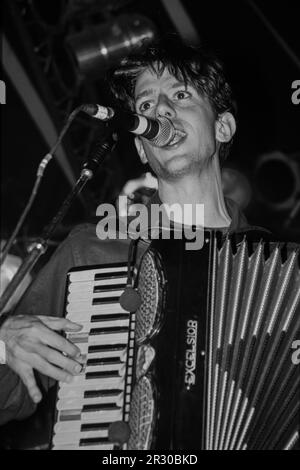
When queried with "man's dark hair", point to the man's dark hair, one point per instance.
{"points": [[193, 65]]}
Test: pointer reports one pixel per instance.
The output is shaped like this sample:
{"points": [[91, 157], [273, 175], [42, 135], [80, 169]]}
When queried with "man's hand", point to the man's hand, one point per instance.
{"points": [[32, 343]]}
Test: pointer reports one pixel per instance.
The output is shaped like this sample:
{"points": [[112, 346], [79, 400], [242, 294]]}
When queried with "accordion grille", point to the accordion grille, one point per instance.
{"points": [[142, 414], [148, 317], [151, 289]]}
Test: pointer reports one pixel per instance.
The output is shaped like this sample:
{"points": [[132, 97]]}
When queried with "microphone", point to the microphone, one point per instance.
{"points": [[159, 132]]}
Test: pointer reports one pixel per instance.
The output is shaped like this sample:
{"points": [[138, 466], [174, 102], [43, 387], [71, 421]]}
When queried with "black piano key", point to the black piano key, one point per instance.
{"points": [[97, 348], [109, 316], [93, 441], [102, 393], [109, 329], [102, 374], [100, 407], [111, 275], [94, 427], [107, 300], [111, 288]]}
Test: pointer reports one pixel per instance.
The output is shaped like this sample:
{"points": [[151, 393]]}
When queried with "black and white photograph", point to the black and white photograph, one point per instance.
{"points": [[150, 228]]}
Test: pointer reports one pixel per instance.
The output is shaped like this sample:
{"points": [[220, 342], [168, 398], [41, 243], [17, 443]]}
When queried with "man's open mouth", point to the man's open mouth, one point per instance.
{"points": [[179, 137]]}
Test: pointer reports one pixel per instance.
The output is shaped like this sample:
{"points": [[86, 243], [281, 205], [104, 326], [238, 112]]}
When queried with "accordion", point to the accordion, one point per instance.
{"points": [[206, 360]]}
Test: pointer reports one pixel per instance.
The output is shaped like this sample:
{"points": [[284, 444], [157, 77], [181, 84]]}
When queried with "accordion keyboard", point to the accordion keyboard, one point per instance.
{"points": [[100, 395]]}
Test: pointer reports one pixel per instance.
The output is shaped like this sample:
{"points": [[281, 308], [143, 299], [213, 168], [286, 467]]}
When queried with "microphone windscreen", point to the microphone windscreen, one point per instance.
{"points": [[118, 432], [130, 300], [166, 133]]}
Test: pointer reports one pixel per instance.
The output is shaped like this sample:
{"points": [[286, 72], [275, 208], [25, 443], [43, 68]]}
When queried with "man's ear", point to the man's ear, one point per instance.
{"points": [[140, 150], [225, 127]]}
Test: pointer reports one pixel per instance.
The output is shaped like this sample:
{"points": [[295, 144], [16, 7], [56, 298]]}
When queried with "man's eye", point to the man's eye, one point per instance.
{"points": [[182, 94], [144, 106]]}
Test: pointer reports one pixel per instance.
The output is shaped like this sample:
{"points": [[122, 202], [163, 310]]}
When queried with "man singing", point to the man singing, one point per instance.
{"points": [[170, 80]]}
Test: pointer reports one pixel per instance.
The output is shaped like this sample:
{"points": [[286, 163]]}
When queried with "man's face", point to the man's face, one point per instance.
{"points": [[189, 112]]}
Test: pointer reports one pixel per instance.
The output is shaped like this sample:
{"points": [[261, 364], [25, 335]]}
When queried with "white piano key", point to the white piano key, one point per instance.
{"points": [[90, 296], [90, 274], [87, 326], [63, 438], [117, 354], [90, 286], [79, 392], [119, 350], [107, 446], [96, 383], [82, 379], [80, 402], [76, 426], [86, 310], [110, 316], [100, 340], [101, 367], [95, 416], [73, 389], [93, 296], [102, 416], [67, 426]]}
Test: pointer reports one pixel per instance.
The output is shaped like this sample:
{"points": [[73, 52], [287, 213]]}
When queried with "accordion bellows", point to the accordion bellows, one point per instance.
{"points": [[252, 384], [206, 360]]}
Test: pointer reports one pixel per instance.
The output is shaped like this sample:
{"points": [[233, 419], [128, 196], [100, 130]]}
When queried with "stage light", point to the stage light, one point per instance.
{"points": [[277, 180], [100, 47]]}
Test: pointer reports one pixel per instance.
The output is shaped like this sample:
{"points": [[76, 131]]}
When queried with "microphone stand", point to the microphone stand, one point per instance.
{"points": [[102, 148], [39, 175]]}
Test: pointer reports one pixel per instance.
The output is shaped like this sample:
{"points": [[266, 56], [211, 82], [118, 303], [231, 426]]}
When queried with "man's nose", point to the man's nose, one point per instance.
{"points": [[164, 107]]}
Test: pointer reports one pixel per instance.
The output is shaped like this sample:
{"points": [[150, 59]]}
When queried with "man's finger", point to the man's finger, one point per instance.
{"points": [[27, 377], [48, 369], [59, 323], [57, 359], [54, 340]]}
